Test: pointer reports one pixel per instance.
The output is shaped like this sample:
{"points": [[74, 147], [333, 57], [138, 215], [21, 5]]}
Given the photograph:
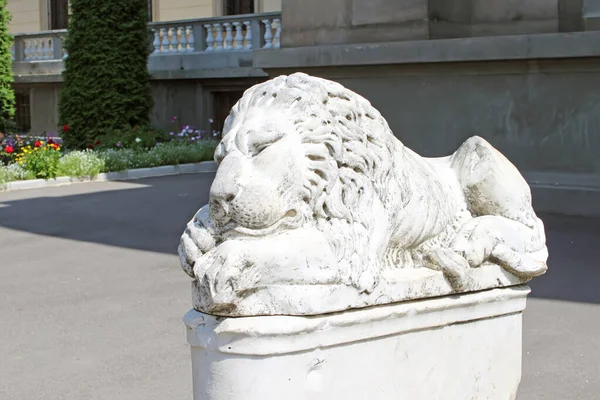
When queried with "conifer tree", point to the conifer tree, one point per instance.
{"points": [[106, 79], [7, 93]]}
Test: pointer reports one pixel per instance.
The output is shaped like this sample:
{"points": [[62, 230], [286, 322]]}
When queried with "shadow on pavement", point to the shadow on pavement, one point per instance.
{"points": [[152, 217], [149, 217]]}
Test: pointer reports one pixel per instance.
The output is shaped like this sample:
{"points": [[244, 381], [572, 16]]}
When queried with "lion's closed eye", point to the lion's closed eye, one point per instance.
{"points": [[258, 147]]}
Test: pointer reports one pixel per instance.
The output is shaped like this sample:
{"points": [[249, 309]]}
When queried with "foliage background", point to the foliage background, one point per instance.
{"points": [[7, 94]]}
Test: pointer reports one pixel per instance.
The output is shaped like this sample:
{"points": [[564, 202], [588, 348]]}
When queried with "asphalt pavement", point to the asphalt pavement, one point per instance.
{"points": [[92, 296]]}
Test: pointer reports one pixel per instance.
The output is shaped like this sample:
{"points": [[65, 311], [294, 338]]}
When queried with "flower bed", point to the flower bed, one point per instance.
{"points": [[25, 158]]}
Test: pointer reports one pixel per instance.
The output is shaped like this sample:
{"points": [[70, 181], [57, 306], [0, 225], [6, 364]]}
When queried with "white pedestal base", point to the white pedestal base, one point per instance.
{"points": [[450, 348]]}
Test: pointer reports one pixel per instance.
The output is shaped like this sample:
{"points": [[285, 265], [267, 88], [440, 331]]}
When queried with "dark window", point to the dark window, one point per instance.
{"points": [[222, 104], [235, 7], [150, 17], [59, 14], [22, 110]]}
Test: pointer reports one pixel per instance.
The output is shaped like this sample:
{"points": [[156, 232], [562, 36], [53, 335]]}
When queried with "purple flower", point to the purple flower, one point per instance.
{"points": [[171, 133], [118, 144], [211, 120]]}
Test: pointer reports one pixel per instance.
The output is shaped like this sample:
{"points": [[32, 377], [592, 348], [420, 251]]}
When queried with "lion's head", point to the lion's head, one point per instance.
{"points": [[303, 150]]}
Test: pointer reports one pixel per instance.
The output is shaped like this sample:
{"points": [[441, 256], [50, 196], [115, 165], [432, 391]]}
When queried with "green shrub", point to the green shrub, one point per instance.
{"points": [[116, 160], [81, 164], [173, 153], [41, 162], [18, 173], [162, 154], [13, 172], [132, 138], [7, 93], [5, 175], [106, 80]]}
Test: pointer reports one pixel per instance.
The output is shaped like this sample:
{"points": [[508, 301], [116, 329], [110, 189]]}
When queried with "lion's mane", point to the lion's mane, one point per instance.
{"points": [[353, 164]]}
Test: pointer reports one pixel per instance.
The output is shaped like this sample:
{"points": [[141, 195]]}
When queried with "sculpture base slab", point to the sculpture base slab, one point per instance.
{"points": [[455, 347]]}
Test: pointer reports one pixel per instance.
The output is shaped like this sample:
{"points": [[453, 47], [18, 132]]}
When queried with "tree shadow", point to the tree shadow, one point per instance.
{"points": [[148, 214], [151, 214]]}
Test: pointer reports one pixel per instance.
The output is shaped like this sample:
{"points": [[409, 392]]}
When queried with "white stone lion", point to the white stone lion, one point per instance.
{"points": [[318, 207]]}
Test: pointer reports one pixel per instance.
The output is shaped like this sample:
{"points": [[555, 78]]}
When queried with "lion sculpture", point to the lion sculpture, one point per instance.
{"points": [[317, 207]]}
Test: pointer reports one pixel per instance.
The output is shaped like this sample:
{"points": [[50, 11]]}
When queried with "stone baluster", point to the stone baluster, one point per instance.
{"points": [[239, 38], [156, 42], [181, 32], [34, 49], [277, 44], [31, 46], [47, 55], [63, 50], [268, 34], [228, 36], [174, 44], [12, 51], [191, 41], [40, 49], [210, 39], [27, 50], [165, 40], [37, 49], [248, 38], [219, 38]]}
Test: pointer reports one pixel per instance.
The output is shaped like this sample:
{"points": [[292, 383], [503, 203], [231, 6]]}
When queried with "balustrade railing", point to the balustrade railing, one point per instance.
{"points": [[219, 34], [231, 33], [39, 46]]}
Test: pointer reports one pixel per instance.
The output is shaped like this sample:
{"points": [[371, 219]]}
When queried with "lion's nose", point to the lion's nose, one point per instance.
{"points": [[222, 194]]}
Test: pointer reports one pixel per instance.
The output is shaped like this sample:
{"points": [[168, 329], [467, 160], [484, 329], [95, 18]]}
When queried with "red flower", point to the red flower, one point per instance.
{"points": [[38, 143], [55, 146], [97, 142], [50, 141], [90, 146], [9, 149], [65, 128]]}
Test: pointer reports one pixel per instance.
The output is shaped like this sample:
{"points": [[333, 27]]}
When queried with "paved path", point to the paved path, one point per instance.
{"points": [[92, 295]]}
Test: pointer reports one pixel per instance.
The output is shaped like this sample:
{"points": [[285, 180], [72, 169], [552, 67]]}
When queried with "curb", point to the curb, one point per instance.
{"points": [[205, 166]]}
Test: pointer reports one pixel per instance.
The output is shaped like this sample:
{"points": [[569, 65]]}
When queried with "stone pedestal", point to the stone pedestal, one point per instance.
{"points": [[455, 347]]}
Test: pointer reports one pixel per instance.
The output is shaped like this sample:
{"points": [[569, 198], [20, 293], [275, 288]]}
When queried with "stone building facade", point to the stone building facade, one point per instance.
{"points": [[522, 74]]}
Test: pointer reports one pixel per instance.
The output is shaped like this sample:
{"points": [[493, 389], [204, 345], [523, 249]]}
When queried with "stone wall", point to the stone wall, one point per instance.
{"points": [[26, 16], [315, 22], [530, 96]]}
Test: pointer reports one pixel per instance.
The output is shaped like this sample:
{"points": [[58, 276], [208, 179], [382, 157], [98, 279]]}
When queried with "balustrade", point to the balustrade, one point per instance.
{"points": [[42, 46], [173, 39], [219, 34]]}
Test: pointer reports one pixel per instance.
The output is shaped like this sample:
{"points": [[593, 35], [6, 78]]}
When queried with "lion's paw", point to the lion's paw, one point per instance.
{"points": [[227, 273], [197, 239], [475, 241]]}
